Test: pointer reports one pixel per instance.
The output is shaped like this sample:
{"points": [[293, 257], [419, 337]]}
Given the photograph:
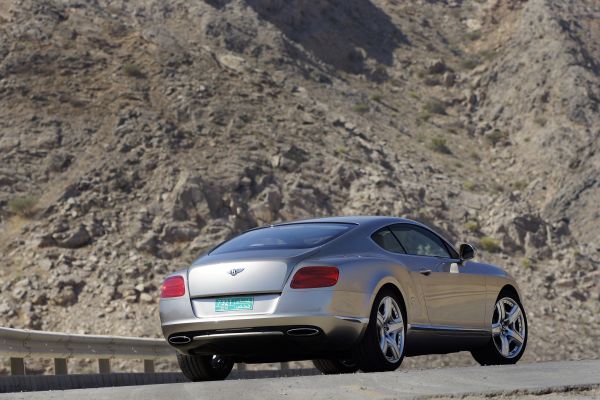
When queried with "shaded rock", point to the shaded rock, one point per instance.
{"points": [[234, 63], [148, 243], [193, 201], [67, 296], [437, 66], [75, 239], [449, 79], [174, 233], [45, 241]]}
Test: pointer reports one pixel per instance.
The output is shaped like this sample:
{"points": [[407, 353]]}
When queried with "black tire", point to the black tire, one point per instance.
{"points": [[205, 368], [334, 367], [490, 354], [368, 354]]}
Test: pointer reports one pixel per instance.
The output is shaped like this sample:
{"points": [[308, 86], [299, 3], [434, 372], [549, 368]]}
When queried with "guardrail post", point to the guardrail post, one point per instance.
{"points": [[104, 366], [60, 366], [17, 366], [149, 366]]}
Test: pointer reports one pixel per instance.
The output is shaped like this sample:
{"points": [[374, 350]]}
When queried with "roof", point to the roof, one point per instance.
{"points": [[359, 220]]}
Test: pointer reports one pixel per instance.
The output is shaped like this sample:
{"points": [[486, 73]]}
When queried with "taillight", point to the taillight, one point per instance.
{"points": [[172, 287], [315, 277]]}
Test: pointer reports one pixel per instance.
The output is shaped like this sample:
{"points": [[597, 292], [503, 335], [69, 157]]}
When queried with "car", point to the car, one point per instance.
{"points": [[349, 293]]}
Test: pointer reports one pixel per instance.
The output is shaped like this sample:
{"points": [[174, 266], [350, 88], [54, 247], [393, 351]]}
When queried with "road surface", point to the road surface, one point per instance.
{"points": [[446, 382]]}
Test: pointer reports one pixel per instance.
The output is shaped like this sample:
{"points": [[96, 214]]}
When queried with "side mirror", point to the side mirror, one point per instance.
{"points": [[466, 251]]}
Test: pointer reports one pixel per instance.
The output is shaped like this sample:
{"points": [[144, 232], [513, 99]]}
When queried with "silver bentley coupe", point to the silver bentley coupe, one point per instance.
{"points": [[349, 293]]}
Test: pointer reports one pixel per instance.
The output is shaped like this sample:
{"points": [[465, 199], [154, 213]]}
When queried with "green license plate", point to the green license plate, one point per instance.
{"points": [[234, 304]]}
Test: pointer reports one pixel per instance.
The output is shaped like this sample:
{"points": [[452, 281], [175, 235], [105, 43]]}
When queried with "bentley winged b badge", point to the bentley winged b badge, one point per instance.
{"points": [[236, 271]]}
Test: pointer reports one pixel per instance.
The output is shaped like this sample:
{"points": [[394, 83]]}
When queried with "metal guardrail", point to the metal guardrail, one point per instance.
{"points": [[18, 344]]}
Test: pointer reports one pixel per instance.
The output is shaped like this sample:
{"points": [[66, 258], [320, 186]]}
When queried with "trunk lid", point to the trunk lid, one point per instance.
{"points": [[256, 271]]}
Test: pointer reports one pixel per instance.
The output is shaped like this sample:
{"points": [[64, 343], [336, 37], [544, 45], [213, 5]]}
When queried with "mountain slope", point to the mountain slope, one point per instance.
{"points": [[135, 135]]}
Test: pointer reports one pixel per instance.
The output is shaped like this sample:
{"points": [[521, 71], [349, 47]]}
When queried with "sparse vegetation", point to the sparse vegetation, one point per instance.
{"points": [[23, 206], [473, 35], [469, 62], [470, 185], [496, 136], [133, 70], [541, 121], [489, 244], [430, 81], [423, 116], [520, 185], [497, 188], [472, 226], [456, 127], [439, 144], [475, 156], [341, 150], [487, 55], [361, 108], [526, 263], [435, 106], [377, 97]]}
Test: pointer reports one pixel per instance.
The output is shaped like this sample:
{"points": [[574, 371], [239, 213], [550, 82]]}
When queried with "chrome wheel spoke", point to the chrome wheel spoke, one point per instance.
{"points": [[496, 329], [513, 315], [501, 311], [515, 336], [383, 344], [395, 326], [393, 346], [387, 309], [380, 321], [505, 350]]}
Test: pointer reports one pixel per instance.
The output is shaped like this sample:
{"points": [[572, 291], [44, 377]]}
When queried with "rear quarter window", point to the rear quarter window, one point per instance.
{"points": [[386, 240]]}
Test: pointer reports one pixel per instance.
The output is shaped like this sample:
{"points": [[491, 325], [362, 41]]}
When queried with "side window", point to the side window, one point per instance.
{"points": [[419, 241], [385, 239]]}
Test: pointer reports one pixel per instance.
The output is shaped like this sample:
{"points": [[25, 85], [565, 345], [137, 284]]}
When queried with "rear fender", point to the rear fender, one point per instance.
{"points": [[369, 275]]}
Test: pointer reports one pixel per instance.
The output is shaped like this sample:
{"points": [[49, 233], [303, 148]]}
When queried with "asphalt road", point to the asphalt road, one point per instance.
{"points": [[522, 379]]}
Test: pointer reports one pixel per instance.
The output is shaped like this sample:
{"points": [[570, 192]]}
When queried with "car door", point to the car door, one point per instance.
{"points": [[454, 294], [387, 241]]}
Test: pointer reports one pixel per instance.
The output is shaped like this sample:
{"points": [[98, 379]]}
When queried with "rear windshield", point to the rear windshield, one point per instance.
{"points": [[293, 236]]}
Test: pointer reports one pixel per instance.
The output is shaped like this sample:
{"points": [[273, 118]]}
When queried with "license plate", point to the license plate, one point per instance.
{"points": [[234, 304]]}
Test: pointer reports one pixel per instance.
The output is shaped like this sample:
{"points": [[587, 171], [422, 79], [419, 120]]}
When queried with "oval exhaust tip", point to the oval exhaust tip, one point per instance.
{"points": [[179, 340], [303, 332]]}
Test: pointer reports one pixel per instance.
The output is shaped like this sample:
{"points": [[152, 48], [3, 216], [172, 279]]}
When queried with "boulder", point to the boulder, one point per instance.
{"points": [[75, 239]]}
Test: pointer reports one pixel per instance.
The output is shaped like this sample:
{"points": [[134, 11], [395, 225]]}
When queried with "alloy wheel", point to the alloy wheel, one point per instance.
{"points": [[390, 329], [508, 327]]}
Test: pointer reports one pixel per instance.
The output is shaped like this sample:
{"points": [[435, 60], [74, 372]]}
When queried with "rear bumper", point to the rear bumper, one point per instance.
{"points": [[304, 324]]}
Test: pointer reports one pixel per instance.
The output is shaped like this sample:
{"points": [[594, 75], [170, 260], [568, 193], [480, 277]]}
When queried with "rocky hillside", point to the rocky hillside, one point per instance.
{"points": [[136, 134]]}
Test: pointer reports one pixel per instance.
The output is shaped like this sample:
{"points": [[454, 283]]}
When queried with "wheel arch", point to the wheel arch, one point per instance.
{"points": [[399, 293], [509, 288], [393, 284]]}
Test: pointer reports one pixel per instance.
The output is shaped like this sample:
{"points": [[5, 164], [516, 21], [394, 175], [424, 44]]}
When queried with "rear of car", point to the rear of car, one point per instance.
{"points": [[264, 296]]}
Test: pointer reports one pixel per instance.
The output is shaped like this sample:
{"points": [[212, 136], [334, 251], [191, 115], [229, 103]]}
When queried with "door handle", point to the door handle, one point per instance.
{"points": [[425, 272]]}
